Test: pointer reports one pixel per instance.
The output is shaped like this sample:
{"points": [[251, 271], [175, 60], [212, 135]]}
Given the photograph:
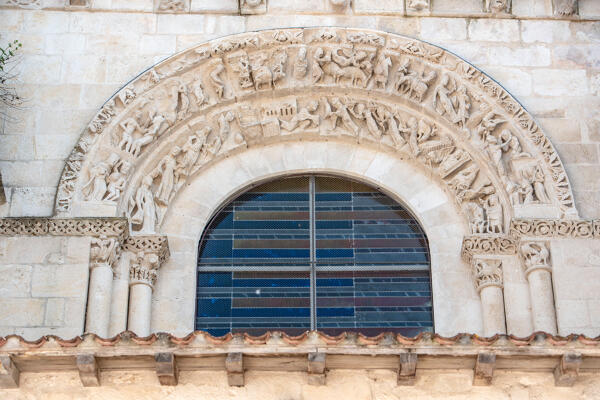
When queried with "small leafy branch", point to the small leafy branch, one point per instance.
{"points": [[8, 94]]}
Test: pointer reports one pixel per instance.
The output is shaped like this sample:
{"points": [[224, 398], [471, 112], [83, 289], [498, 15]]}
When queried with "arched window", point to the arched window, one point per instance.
{"points": [[314, 252]]}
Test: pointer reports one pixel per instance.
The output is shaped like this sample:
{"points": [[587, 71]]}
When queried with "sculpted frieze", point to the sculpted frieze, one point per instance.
{"points": [[346, 83], [487, 244], [108, 226], [554, 228]]}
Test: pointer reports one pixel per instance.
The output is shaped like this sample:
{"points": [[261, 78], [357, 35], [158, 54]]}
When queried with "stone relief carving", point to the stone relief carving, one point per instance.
{"points": [[253, 6], [104, 251], [171, 5], [108, 226], [141, 208], [413, 84], [487, 272], [498, 6], [487, 244], [144, 269], [203, 79], [535, 255], [418, 5], [556, 228], [565, 8], [26, 3]]}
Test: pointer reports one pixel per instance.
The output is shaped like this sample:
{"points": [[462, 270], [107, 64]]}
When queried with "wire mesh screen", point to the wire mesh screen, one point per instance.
{"points": [[371, 262]]}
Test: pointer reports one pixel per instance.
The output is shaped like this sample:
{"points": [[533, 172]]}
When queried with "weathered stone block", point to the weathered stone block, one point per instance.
{"points": [[535, 56], [18, 249], [378, 7], [578, 153], [222, 6], [157, 44], [545, 31], [20, 312], [555, 82], [434, 29], [65, 43], [55, 312], [15, 280], [60, 281], [494, 30]]}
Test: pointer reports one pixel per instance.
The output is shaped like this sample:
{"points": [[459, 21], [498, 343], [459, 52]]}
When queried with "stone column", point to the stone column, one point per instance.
{"points": [[535, 256], [120, 295], [150, 253], [488, 281], [142, 277], [103, 253]]}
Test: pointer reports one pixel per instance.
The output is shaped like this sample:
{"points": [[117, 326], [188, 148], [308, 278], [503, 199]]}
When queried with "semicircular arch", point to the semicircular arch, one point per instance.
{"points": [[385, 92]]}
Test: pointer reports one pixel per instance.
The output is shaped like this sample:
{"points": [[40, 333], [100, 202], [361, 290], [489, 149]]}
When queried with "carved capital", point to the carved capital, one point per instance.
{"points": [[104, 251], [487, 244], [535, 256], [487, 272], [150, 252]]}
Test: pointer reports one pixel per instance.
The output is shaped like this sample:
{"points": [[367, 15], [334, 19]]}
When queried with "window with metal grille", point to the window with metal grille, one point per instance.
{"points": [[314, 252]]}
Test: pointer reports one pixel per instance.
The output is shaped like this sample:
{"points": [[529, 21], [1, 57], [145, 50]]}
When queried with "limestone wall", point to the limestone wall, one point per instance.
{"points": [[43, 285], [75, 57], [346, 384]]}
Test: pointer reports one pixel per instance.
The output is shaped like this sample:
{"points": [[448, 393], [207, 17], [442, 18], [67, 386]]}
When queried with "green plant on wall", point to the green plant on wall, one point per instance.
{"points": [[8, 94]]}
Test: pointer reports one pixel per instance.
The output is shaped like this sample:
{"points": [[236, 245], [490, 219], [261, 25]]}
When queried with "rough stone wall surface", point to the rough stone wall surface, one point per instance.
{"points": [[43, 285], [347, 384], [75, 57]]}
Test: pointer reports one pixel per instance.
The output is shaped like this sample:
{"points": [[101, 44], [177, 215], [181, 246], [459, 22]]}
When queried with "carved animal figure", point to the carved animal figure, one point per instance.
{"points": [[262, 75], [415, 85]]}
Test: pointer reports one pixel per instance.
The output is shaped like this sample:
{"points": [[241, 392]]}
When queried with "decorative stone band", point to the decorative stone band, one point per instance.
{"points": [[96, 227], [555, 228], [487, 244], [487, 272], [156, 244]]}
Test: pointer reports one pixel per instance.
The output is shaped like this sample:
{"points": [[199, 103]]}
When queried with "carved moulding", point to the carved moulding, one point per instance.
{"points": [[357, 78], [487, 245], [155, 244], [555, 228], [103, 226]]}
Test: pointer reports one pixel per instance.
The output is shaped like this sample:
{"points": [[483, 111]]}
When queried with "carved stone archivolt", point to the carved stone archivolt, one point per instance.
{"points": [[385, 91]]}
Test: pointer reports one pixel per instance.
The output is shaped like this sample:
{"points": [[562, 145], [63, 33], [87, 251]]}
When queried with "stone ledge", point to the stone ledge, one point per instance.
{"points": [[107, 226], [276, 351]]}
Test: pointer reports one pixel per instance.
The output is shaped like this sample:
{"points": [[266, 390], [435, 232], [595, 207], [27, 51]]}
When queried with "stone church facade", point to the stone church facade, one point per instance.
{"points": [[143, 119]]}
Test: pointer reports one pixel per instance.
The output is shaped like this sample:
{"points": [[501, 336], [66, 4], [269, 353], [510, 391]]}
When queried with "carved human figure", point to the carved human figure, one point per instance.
{"points": [[198, 91], [442, 102], [319, 58], [535, 255], [130, 126], [476, 217], [97, 185], [381, 72], [191, 151], [493, 211], [340, 112], [180, 101], [300, 64], [463, 106], [117, 181], [226, 134], [514, 146], [157, 127], [166, 169], [412, 129], [216, 80], [411, 83], [539, 186], [303, 119], [261, 74], [143, 204], [279, 63], [393, 130], [494, 148]]}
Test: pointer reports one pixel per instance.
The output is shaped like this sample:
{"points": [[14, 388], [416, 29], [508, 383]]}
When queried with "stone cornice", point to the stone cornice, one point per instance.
{"points": [[39, 226]]}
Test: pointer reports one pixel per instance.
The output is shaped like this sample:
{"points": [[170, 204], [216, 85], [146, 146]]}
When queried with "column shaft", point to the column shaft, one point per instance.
{"points": [[120, 296], [99, 295], [492, 302], [542, 301], [140, 306]]}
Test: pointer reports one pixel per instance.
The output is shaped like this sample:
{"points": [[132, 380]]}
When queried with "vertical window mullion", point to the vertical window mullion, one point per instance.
{"points": [[313, 255]]}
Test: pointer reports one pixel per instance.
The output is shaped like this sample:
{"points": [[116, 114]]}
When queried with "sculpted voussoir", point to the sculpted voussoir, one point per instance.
{"points": [[374, 88]]}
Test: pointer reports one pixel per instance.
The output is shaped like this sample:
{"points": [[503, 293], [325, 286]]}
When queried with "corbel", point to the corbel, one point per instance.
{"points": [[234, 364], [565, 373], [484, 369], [316, 369], [166, 369], [89, 373], [407, 369], [9, 373]]}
